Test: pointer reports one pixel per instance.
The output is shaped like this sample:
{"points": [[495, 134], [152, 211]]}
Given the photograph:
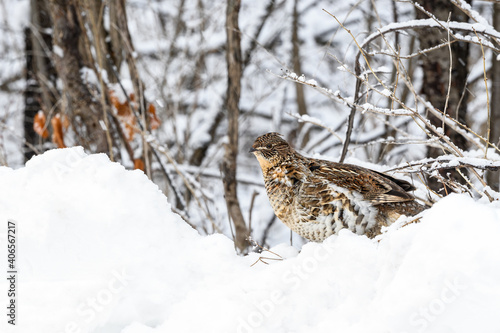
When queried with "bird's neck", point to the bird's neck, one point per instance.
{"points": [[287, 172], [265, 165]]}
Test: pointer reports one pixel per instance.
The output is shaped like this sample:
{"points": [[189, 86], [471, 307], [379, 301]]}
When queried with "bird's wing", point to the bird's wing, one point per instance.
{"points": [[373, 186], [401, 183], [314, 201]]}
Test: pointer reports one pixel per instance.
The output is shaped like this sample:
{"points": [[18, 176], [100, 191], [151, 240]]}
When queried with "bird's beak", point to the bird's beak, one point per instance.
{"points": [[252, 149]]}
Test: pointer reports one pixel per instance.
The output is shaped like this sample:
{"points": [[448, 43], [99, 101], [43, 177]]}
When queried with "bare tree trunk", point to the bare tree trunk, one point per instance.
{"points": [[40, 74], [199, 153], [95, 16], [85, 111], [297, 68], [436, 70], [31, 98], [493, 176], [42, 46], [234, 71], [116, 36]]}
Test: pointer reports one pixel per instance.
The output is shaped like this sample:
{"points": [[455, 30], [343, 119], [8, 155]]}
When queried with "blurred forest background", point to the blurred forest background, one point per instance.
{"points": [[181, 88]]}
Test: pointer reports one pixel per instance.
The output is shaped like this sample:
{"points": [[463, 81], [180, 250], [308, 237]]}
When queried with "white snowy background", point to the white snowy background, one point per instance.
{"points": [[99, 249]]}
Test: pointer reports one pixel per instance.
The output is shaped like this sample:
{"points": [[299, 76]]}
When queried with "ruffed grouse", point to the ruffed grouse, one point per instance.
{"points": [[317, 198]]}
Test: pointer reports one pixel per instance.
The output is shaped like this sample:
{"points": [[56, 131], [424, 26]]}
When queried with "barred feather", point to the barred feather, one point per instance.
{"points": [[317, 198]]}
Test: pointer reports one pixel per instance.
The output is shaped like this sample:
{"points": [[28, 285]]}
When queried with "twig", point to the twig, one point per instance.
{"points": [[447, 99], [447, 162], [104, 105], [262, 249], [350, 122], [311, 120], [250, 210], [431, 131], [151, 141], [143, 131], [267, 228], [488, 109]]}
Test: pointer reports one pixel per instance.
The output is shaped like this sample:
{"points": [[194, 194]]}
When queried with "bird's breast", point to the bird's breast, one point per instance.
{"points": [[281, 192], [280, 176]]}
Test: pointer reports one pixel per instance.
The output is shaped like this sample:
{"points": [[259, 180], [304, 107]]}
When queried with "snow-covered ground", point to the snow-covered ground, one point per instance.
{"points": [[99, 250]]}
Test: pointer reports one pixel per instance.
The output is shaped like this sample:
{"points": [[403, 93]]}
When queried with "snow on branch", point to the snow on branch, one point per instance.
{"points": [[473, 28], [315, 121], [474, 15], [370, 80], [349, 101], [449, 162]]}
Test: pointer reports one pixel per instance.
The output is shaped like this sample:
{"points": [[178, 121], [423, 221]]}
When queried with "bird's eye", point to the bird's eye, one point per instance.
{"points": [[269, 146]]}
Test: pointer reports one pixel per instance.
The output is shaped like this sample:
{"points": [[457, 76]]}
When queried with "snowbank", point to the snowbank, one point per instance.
{"points": [[99, 250]]}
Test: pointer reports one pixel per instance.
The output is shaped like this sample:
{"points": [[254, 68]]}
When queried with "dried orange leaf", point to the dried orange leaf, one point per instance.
{"points": [[39, 125], [122, 109], [139, 164], [57, 131], [154, 121]]}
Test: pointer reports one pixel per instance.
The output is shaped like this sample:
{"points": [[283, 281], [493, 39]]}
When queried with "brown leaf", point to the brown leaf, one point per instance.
{"points": [[39, 125], [129, 123], [154, 121], [122, 109], [57, 131], [139, 164]]}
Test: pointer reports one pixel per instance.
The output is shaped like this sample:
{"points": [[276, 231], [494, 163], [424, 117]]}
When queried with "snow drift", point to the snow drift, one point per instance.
{"points": [[99, 250]]}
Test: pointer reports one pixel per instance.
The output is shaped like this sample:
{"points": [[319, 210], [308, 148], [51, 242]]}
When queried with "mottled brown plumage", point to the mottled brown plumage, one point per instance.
{"points": [[317, 198]]}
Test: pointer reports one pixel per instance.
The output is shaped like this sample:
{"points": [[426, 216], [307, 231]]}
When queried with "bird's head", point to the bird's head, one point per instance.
{"points": [[270, 150]]}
